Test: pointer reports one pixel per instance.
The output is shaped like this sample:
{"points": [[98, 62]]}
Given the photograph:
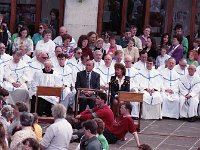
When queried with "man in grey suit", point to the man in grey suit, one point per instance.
{"points": [[87, 79]]}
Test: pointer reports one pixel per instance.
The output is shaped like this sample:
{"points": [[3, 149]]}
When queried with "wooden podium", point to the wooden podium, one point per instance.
{"points": [[124, 96], [47, 91]]}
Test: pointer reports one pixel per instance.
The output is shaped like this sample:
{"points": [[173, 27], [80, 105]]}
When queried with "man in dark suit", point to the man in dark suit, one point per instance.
{"points": [[87, 79]]}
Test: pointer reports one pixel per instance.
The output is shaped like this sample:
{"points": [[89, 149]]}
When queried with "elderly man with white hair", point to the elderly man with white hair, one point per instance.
{"points": [[16, 78], [106, 71], [189, 94], [45, 77], [57, 135], [170, 92]]}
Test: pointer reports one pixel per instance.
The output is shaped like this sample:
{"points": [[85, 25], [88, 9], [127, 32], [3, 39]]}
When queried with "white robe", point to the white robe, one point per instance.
{"points": [[73, 62], [189, 85], [105, 74], [45, 79], [34, 67], [48, 47], [26, 59], [54, 61], [180, 71], [1, 75], [75, 69], [151, 103], [133, 73], [4, 59], [139, 65], [98, 64], [17, 73], [65, 76], [171, 102]]}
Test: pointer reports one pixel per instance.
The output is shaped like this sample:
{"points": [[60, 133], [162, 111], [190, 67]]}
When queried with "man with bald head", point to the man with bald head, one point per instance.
{"points": [[87, 79], [4, 58], [171, 100], [106, 71], [189, 94], [45, 77], [58, 40], [181, 68]]}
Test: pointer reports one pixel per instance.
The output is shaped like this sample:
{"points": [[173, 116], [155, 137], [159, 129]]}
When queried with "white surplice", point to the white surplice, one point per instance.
{"points": [[4, 59], [189, 85], [180, 71], [133, 73], [68, 93], [16, 72], [139, 65], [105, 74], [171, 101], [150, 79], [35, 66], [45, 79]]}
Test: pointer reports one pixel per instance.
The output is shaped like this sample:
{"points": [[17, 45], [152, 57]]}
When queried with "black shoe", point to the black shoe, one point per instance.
{"points": [[192, 119]]}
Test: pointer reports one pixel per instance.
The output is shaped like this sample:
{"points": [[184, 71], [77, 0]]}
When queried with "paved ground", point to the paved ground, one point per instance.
{"points": [[166, 134]]}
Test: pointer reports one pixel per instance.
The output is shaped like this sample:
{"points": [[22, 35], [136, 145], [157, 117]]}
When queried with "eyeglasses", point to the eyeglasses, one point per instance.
{"points": [[79, 53], [2, 48]]}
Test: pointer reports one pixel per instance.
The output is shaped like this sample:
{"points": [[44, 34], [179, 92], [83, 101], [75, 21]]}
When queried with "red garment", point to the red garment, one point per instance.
{"points": [[122, 126], [104, 113], [87, 51]]}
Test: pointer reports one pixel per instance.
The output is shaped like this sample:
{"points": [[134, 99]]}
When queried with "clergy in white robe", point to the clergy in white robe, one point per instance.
{"points": [[74, 61], [54, 59], [4, 58], [65, 76], [150, 83], [98, 55], [106, 71], [189, 93], [171, 99], [16, 78], [141, 64], [45, 77], [24, 52], [38, 63], [132, 73], [181, 68]]}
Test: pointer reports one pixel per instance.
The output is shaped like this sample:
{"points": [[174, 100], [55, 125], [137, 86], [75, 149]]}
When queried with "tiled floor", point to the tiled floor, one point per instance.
{"points": [[166, 134]]}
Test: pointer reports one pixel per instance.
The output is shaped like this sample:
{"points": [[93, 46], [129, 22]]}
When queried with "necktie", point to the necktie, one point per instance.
{"points": [[129, 73], [88, 79]]}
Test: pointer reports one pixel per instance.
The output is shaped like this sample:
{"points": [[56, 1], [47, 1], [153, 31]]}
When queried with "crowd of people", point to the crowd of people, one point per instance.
{"points": [[167, 74]]}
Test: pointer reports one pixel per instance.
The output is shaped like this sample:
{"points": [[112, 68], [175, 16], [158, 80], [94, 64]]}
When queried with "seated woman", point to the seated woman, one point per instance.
{"points": [[119, 82]]}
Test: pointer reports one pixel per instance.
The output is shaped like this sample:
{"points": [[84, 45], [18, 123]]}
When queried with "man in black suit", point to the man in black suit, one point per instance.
{"points": [[87, 79]]}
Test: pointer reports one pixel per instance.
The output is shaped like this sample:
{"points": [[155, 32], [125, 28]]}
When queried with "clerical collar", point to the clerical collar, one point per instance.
{"points": [[44, 71], [62, 66]]}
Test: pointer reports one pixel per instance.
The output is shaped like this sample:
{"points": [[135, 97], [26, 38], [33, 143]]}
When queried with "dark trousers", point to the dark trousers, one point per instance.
{"points": [[44, 107], [84, 102], [112, 139]]}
